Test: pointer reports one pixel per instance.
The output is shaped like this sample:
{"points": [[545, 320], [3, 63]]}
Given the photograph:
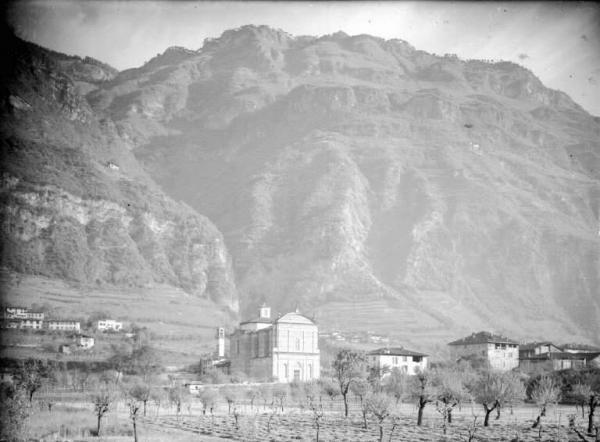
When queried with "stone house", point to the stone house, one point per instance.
{"points": [[500, 352]]}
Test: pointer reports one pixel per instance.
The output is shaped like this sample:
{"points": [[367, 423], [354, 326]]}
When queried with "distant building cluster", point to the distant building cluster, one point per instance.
{"points": [[24, 318], [109, 325], [505, 354]]}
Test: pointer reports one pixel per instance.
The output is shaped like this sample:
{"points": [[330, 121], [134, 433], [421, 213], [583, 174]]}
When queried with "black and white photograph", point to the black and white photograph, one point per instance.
{"points": [[337, 221]]}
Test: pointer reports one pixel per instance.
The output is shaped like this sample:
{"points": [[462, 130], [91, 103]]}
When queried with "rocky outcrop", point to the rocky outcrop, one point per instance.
{"points": [[77, 206]]}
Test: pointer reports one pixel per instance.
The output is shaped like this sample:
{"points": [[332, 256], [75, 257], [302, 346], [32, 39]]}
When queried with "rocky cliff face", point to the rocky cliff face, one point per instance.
{"points": [[75, 203], [352, 168], [455, 194]]}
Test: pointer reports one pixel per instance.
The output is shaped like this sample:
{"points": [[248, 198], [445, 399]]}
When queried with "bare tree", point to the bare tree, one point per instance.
{"points": [[313, 401], [280, 393], [450, 392], [361, 388], [31, 375], [102, 399], [231, 396], [207, 397], [422, 390], [396, 385], [379, 405], [347, 366], [141, 392], [176, 398], [585, 395], [157, 398], [134, 405], [493, 389], [331, 389], [252, 394], [545, 392]]}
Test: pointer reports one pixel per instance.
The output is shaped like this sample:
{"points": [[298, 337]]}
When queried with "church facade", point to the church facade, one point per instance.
{"points": [[283, 350]]}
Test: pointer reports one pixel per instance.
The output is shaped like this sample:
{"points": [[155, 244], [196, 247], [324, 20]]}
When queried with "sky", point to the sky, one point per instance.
{"points": [[558, 41]]}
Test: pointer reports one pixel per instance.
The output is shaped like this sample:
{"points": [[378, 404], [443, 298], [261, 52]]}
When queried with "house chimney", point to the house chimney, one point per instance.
{"points": [[264, 312], [221, 342]]}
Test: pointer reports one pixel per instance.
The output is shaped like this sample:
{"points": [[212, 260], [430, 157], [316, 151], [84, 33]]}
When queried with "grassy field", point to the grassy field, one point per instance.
{"points": [[75, 420]]}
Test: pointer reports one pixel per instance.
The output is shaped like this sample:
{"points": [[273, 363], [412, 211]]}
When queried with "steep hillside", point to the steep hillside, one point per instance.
{"points": [[374, 184], [76, 205], [341, 169]]}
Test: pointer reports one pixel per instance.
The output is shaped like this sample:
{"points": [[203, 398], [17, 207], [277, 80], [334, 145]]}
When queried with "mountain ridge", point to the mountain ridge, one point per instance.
{"points": [[344, 168]]}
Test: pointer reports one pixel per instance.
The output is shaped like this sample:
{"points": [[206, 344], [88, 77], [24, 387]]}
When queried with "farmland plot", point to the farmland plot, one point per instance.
{"points": [[296, 424]]}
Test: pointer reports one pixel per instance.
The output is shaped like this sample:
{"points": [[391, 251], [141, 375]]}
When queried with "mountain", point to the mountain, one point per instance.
{"points": [[372, 184], [76, 205]]}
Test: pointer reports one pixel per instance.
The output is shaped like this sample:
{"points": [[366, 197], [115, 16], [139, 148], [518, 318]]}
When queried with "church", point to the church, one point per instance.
{"points": [[284, 350]]}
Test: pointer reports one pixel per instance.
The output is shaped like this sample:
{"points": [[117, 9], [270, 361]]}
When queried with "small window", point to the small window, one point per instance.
{"points": [[395, 360], [298, 344]]}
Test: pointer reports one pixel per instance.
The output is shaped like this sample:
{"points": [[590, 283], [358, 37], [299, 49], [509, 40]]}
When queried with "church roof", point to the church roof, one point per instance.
{"points": [[258, 320], [295, 318]]}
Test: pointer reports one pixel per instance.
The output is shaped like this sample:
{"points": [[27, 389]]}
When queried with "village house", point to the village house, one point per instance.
{"points": [[63, 325], [532, 349], [20, 323], [384, 360], [538, 357], [109, 325], [284, 350], [14, 312], [22, 313], [34, 324], [85, 342], [500, 352], [551, 361]]}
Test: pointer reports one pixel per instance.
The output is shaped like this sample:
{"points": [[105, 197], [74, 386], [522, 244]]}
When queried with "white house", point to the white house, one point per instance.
{"points": [[85, 342], [109, 324], [63, 325], [407, 361]]}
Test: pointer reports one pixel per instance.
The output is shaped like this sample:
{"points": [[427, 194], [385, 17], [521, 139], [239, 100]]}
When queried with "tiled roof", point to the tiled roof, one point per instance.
{"points": [[258, 320], [484, 337], [561, 355], [533, 345], [395, 351]]}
